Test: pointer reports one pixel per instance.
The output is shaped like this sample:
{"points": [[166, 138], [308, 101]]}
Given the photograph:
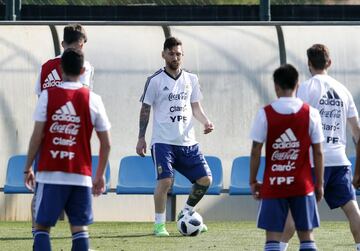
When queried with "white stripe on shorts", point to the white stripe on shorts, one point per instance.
{"points": [[38, 197]]}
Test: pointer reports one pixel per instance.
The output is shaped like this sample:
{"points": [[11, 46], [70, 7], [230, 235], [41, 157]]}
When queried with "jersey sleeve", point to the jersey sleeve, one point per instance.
{"points": [[352, 111], [40, 113], [38, 84], [149, 93], [259, 128], [196, 94], [98, 114], [315, 128], [87, 78]]}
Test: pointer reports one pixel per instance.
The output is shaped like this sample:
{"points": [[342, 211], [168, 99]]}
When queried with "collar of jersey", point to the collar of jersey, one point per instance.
{"points": [[176, 78]]}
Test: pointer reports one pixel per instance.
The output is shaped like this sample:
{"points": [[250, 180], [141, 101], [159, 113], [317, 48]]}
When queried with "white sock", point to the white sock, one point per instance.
{"points": [[357, 246], [283, 246], [160, 218], [188, 208]]}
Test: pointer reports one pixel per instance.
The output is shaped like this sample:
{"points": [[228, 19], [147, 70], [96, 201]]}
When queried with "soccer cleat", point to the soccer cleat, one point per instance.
{"points": [[204, 228], [160, 230], [180, 215]]}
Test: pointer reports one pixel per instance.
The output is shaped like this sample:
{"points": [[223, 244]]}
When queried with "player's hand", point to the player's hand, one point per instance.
{"points": [[141, 147], [319, 192], [208, 127], [98, 186], [29, 180], [255, 190], [356, 181]]}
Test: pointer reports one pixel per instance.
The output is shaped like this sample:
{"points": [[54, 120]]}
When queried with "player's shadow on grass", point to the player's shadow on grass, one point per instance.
{"points": [[69, 237], [139, 235]]}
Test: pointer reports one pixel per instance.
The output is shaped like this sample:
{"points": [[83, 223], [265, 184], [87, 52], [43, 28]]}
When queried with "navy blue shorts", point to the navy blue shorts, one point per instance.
{"points": [[52, 199], [187, 160], [338, 188], [273, 213]]}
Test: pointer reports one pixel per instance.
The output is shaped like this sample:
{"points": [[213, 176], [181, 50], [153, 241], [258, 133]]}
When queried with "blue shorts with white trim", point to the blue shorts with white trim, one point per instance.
{"points": [[273, 213], [187, 160], [52, 199]]}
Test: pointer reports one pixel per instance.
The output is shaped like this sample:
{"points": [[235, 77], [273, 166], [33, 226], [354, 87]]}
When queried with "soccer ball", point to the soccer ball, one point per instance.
{"points": [[190, 223]]}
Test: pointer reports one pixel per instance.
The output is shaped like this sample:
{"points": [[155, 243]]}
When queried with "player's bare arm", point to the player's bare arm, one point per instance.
{"points": [[105, 145], [356, 178], [355, 128], [34, 146], [254, 167], [319, 170], [143, 123], [199, 114]]}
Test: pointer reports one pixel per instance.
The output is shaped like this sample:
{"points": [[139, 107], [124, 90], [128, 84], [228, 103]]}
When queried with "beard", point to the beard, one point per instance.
{"points": [[175, 65]]}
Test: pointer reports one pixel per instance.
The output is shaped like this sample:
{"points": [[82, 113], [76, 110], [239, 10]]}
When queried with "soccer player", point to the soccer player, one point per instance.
{"points": [[51, 74], [336, 106], [64, 119], [289, 127], [175, 97]]}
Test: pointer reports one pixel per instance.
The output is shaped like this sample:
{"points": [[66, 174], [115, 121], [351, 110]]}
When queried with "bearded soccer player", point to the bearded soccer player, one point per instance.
{"points": [[175, 97]]}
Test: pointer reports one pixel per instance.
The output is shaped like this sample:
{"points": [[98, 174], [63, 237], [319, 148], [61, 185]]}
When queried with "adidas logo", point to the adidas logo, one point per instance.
{"points": [[286, 140], [331, 98], [53, 79], [165, 88], [66, 113]]}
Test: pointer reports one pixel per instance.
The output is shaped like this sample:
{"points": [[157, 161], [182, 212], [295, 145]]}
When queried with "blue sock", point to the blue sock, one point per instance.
{"points": [[41, 241], [272, 246], [307, 246], [80, 241]]}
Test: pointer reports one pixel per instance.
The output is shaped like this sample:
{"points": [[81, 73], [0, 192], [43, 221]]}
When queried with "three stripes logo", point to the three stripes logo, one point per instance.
{"points": [[66, 113], [53, 79], [165, 88], [331, 98], [286, 140]]}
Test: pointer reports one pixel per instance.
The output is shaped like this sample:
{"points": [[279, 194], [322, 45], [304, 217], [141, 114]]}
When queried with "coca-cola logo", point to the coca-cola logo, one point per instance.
{"points": [[178, 96], [291, 154], [71, 129], [335, 113]]}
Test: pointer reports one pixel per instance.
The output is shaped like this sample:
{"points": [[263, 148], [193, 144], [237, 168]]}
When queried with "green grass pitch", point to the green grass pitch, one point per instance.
{"points": [[127, 236]]}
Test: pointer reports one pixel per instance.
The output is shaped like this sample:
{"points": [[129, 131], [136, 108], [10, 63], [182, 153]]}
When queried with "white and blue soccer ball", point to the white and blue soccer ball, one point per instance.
{"points": [[190, 223]]}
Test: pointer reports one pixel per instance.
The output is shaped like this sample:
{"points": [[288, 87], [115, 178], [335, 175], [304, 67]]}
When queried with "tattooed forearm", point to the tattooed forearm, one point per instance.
{"points": [[144, 119]]}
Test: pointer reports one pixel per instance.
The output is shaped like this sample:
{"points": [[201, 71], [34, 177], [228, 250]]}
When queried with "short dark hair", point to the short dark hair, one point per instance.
{"points": [[319, 56], [74, 33], [72, 61], [171, 42], [286, 76]]}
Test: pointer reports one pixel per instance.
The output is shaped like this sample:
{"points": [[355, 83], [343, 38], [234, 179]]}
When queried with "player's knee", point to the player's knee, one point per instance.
{"points": [[164, 185], [76, 229], [205, 181], [42, 228]]}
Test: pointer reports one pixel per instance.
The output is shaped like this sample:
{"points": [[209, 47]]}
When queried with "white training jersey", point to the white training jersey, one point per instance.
{"points": [[87, 78], [171, 100], [286, 105], [336, 105], [100, 121]]}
